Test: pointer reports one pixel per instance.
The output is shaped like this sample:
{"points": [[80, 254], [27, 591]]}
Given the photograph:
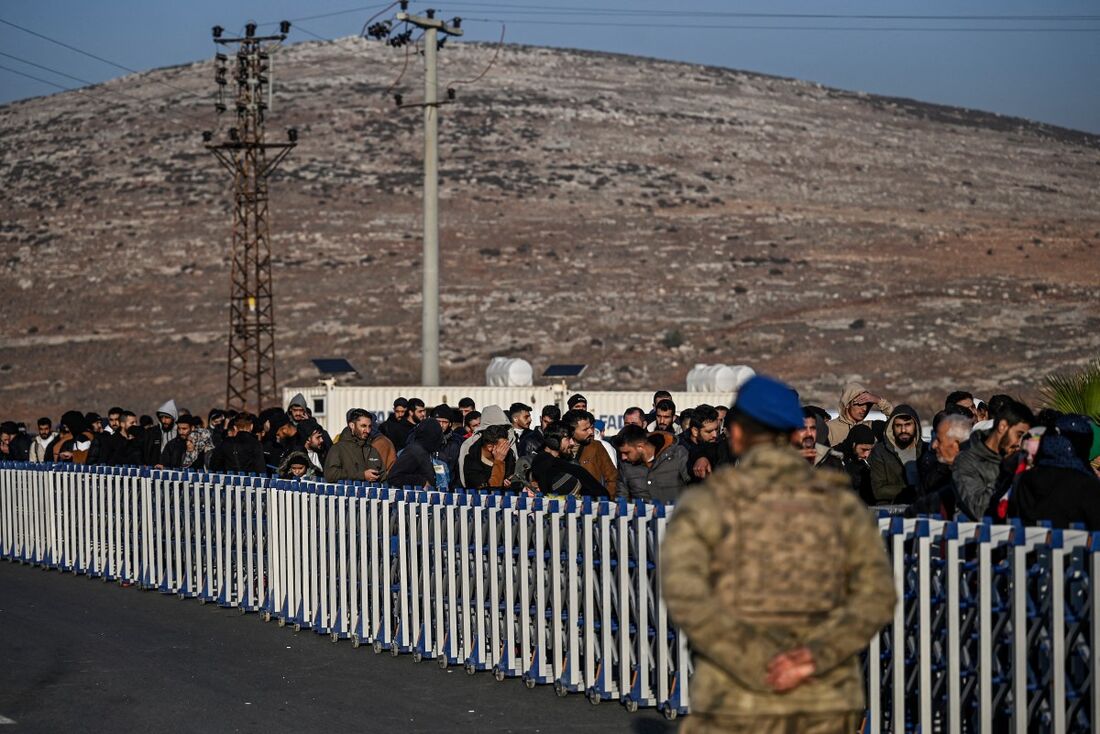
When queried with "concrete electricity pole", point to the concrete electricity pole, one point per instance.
{"points": [[432, 27]]}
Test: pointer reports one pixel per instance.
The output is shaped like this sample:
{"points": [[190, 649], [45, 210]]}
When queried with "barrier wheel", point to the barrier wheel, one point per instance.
{"points": [[181, 595], [560, 689], [593, 697], [470, 669], [417, 656], [378, 647], [529, 682], [335, 637], [242, 611], [498, 673], [441, 661], [266, 616], [202, 601], [630, 704], [355, 641], [670, 713], [297, 627], [282, 622], [394, 651]]}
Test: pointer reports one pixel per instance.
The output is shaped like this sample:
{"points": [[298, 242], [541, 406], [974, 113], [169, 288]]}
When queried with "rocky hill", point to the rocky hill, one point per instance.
{"points": [[635, 214]]}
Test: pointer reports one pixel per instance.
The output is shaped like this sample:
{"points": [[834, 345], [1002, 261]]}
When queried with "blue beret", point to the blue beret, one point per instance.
{"points": [[770, 402]]}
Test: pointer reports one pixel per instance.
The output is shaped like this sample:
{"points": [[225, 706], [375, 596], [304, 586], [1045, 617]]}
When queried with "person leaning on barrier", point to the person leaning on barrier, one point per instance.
{"points": [[552, 471], [352, 456], [779, 577], [652, 466]]}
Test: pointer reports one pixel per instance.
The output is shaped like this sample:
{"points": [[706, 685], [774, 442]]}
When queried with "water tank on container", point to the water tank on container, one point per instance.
{"points": [[718, 377], [508, 372]]}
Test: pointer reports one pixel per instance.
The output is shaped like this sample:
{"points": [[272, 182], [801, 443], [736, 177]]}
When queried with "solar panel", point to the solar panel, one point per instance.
{"points": [[333, 366], [565, 370]]}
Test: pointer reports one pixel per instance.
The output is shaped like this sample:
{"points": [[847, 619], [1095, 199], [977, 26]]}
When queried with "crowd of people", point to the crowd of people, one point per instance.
{"points": [[993, 458]]}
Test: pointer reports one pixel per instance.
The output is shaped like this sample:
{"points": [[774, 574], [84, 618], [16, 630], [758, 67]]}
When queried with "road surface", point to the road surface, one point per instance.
{"points": [[77, 654]]}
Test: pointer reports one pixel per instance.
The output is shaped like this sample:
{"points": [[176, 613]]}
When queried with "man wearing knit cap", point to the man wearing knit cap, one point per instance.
{"points": [[779, 577]]}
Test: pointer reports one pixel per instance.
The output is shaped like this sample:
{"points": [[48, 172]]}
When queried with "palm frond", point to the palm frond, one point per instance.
{"points": [[1076, 392]]}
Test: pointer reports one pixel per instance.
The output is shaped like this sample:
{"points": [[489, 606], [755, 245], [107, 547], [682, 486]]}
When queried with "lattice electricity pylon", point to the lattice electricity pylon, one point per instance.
{"points": [[250, 379]]}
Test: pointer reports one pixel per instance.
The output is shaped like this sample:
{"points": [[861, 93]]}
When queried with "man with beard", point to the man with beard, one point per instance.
{"points": [[976, 468], [39, 451], [653, 466], [817, 454], [700, 440], [592, 456], [520, 416], [396, 428], [937, 491], [125, 446], [311, 438], [155, 440], [353, 457], [554, 474], [172, 456], [664, 417], [893, 462]]}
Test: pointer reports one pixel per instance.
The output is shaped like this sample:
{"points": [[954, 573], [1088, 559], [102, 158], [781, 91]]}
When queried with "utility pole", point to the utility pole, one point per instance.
{"points": [[250, 372], [432, 27]]}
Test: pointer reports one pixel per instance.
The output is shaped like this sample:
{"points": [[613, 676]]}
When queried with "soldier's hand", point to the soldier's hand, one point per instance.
{"points": [[371, 475], [790, 669], [702, 467]]}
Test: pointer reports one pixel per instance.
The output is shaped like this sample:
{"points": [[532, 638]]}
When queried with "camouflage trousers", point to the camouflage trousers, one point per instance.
{"points": [[838, 723]]}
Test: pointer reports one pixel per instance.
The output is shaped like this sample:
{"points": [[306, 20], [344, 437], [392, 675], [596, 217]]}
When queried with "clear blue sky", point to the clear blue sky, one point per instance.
{"points": [[1041, 75]]}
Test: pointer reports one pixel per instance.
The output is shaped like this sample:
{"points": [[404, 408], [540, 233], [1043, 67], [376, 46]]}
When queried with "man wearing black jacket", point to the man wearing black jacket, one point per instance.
{"points": [[154, 441], [396, 428], [241, 450], [555, 474], [172, 456]]}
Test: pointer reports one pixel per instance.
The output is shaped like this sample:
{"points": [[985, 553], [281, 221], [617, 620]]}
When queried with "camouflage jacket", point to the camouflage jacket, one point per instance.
{"points": [[765, 557]]}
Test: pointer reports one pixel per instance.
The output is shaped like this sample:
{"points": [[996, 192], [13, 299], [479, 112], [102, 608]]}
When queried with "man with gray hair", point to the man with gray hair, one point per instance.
{"points": [[950, 430]]}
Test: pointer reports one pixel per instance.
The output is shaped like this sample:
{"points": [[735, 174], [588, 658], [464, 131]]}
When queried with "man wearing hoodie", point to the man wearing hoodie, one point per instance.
{"points": [[155, 440], [893, 462], [414, 467], [977, 467], [297, 410], [855, 403], [353, 457], [653, 466]]}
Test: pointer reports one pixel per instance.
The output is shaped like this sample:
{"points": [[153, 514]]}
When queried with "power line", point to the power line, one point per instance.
{"points": [[92, 56], [731, 27], [90, 83], [300, 27], [85, 92], [590, 10]]}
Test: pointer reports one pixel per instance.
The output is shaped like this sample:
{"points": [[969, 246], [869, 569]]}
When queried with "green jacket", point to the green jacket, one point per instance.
{"points": [[765, 557], [349, 458]]}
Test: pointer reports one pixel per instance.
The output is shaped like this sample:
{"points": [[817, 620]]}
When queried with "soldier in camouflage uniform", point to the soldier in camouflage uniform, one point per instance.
{"points": [[779, 577]]}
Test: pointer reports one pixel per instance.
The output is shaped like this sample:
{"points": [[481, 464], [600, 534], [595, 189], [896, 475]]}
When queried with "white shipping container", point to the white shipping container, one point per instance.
{"points": [[330, 404]]}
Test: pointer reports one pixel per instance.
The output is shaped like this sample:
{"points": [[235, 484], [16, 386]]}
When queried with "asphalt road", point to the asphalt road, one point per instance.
{"points": [[78, 654]]}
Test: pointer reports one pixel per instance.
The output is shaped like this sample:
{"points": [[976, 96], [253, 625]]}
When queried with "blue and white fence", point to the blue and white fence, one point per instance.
{"points": [[995, 631]]}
